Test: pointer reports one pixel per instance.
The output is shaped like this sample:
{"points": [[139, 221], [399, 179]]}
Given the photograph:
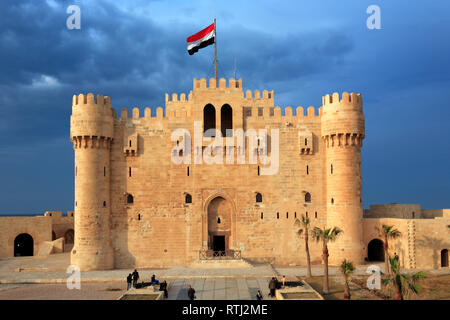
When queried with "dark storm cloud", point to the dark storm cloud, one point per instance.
{"points": [[128, 56]]}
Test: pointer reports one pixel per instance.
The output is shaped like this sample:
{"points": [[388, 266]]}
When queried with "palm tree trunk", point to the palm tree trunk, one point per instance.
{"points": [[398, 291], [347, 294], [326, 288], [386, 255], [308, 259]]}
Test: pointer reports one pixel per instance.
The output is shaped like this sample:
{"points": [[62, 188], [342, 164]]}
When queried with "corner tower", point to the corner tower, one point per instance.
{"points": [[342, 134], [91, 131]]}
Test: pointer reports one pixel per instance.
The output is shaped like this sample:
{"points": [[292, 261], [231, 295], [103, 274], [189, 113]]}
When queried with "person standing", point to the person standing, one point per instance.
{"points": [[283, 281], [135, 277], [272, 287], [129, 277], [259, 295], [191, 293]]}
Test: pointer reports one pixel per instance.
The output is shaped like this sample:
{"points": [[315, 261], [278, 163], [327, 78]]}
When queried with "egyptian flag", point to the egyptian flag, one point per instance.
{"points": [[201, 39]]}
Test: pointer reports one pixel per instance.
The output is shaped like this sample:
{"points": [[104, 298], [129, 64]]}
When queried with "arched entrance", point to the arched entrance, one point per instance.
{"points": [[23, 245], [219, 224], [375, 250], [68, 240], [444, 258]]}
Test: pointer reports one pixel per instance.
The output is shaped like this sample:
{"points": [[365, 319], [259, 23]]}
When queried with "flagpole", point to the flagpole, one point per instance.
{"points": [[215, 50]]}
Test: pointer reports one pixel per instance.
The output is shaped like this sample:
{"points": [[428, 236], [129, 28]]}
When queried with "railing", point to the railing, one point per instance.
{"points": [[218, 255]]}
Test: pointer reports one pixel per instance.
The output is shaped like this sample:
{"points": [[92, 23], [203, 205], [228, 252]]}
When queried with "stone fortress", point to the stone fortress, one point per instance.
{"points": [[135, 207]]}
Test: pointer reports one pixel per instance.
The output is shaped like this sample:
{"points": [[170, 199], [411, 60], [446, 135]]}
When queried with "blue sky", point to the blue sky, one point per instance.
{"points": [[135, 51]]}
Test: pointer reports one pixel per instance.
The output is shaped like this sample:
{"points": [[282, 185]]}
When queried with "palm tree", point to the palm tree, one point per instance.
{"points": [[346, 269], [304, 224], [325, 235], [403, 283], [387, 232]]}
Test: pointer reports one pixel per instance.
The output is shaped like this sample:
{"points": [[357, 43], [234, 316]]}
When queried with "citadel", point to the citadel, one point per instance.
{"points": [[137, 207]]}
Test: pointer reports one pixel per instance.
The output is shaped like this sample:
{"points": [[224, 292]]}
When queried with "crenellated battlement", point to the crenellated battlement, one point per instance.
{"points": [[256, 95], [232, 84], [353, 100], [89, 99]]}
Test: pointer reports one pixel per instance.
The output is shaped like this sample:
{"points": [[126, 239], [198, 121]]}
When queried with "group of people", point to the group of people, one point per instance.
{"points": [[274, 284], [132, 279]]}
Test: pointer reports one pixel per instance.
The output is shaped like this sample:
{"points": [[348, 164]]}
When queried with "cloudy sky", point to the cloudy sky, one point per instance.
{"points": [[135, 51]]}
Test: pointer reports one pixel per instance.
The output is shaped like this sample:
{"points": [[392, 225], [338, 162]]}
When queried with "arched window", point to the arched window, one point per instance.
{"points": [[308, 197], [188, 198], [218, 220], [130, 198], [258, 197], [226, 119], [209, 120]]}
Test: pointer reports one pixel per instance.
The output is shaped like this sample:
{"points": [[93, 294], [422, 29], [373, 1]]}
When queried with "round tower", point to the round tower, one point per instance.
{"points": [[91, 131], [342, 134]]}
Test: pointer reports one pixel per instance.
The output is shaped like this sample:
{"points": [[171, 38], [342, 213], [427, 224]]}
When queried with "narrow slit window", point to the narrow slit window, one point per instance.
{"points": [[139, 217], [278, 215], [218, 220], [129, 171], [331, 169], [287, 215], [188, 171], [130, 143], [307, 214], [315, 214], [104, 204], [332, 200], [306, 141], [295, 214], [307, 169], [262, 215], [258, 170], [104, 171]]}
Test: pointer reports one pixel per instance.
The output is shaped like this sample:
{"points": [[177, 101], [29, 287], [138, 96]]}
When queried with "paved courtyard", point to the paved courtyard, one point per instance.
{"points": [[205, 289], [45, 278]]}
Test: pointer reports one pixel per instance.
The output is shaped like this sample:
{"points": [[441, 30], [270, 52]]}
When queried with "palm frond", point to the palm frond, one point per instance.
{"points": [[419, 275], [317, 233]]}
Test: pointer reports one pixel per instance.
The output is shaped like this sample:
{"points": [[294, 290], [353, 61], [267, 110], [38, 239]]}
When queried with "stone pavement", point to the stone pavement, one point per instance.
{"points": [[52, 269], [220, 288]]}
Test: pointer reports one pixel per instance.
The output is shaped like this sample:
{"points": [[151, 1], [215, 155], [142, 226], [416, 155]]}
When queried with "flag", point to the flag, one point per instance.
{"points": [[201, 39]]}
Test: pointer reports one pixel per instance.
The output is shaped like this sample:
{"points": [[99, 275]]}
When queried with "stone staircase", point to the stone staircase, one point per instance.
{"points": [[221, 263]]}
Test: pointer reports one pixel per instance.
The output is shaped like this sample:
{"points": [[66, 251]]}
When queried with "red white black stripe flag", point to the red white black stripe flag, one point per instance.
{"points": [[201, 39]]}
